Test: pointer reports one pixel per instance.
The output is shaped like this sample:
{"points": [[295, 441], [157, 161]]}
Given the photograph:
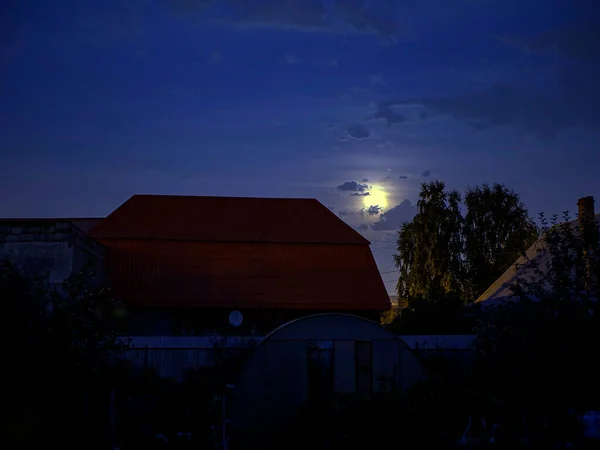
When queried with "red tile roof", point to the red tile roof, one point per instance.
{"points": [[226, 219], [238, 253]]}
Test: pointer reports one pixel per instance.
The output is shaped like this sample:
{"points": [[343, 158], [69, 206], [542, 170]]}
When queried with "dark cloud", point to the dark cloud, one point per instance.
{"points": [[216, 58], [187, 6], [502, 104], [360, 194], [304, 15], [372, 210], [357, 14], [426, 173], [568, 97], [363, 227], [353, 186], [403, 177], [364, 180], [385, 111], [301, 15], [392, 219], [577, 42], [358, 132], [386, 144], [290, 58]]}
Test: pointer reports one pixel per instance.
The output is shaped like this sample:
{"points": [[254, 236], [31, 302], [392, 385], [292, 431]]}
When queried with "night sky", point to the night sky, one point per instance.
{"points": [[352, 102]]}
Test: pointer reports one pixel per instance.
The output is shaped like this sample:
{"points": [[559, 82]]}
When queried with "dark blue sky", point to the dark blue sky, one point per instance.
{"points": [[104, 99]]}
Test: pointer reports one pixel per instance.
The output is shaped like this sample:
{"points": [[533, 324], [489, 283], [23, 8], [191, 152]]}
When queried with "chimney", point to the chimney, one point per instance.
{"points": [[587, 223], [585, 208]]}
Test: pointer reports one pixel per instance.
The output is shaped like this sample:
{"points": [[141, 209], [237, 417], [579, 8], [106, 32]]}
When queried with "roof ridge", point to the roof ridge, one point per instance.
{"points": [[33, 219], [339, 219], [224, 197], [219, 219]]}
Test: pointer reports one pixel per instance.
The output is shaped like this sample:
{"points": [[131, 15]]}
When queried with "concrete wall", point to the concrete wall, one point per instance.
{"points": [[50, 248], [274, 384]]}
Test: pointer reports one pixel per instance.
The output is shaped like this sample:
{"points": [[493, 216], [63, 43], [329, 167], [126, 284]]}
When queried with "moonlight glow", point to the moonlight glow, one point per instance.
{"points": [[377, 197]]}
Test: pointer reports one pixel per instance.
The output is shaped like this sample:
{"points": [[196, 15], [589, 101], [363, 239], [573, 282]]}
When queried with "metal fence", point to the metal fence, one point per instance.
{"points": [[173, 356], [175, 362]]}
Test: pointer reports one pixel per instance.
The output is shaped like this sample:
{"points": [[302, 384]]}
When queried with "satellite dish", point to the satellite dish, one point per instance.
{"points": [[236, 318]]}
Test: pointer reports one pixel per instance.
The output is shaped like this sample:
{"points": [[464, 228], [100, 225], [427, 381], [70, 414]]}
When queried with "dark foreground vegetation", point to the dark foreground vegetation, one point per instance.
{"points": [[532, 376]]}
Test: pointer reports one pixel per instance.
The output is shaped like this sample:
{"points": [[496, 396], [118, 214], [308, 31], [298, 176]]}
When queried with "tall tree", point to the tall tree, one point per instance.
{"points": [[443, 251], [497, 229], [429, 247]]}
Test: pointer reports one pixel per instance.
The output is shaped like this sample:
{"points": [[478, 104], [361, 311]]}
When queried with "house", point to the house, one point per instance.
{"points": [[501, 290], [194, 270], [189, 265], [52, 248], [317, 357]]}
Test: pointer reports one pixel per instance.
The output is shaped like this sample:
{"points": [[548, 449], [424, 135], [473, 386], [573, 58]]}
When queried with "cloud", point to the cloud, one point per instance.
{"points": [[364, 180], [386, 144], [385, 111], [302, 15], [352, 186], [426, 173], [372, 210], [293, 59], [342, 138], [567, 97], [189, 6], [403, 177], [358, 132], [393, 218], [376, 80], [503, 104], [306, 15], [363, 227], [356, 14], [360, 194], [216, 58], [290, 58], [578, 42]]}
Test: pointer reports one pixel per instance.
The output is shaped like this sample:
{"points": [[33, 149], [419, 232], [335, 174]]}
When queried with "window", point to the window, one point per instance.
{"points": [[364, 369]]}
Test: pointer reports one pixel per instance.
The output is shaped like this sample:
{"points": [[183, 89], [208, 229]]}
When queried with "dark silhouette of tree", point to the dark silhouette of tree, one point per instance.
{"points": [[537, 351], [60, 345], [445, 252], [430, 246], [497, 229]]}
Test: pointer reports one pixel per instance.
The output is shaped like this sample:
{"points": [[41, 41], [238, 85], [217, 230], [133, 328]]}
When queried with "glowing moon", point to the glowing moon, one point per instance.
{"points": [[377, 197]]}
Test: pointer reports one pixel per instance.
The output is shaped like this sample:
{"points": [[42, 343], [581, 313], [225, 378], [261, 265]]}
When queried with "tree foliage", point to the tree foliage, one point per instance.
{"points": [[429, 246], [537, 351], [61, 339], [458, 245]]}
